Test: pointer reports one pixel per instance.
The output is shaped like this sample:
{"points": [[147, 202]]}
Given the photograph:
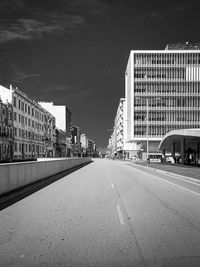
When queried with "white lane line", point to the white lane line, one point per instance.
{"points": [[178, 186], [121, 219], [182, 187], [112, 185], [175, 177]]}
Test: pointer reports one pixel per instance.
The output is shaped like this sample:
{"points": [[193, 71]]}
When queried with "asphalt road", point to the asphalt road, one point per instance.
{"points": [[107, 213]]}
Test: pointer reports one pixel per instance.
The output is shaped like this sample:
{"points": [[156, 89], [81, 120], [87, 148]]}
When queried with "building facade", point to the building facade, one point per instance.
{"points": [[162, 94], [84, 144], [6, 132], [34, 127], [60, 145], [76, 141], [49, 134], [63, 118]]}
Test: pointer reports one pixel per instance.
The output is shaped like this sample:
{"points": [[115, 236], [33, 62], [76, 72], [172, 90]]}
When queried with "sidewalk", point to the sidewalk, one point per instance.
{"points": [[183, 170]]}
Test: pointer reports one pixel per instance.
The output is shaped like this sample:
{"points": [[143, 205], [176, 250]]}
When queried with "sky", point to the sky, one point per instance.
{"points": [[75, 52]]}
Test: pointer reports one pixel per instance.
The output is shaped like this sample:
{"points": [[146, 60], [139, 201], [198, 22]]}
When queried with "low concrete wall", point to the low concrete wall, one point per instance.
{"points": [[16, 175]]}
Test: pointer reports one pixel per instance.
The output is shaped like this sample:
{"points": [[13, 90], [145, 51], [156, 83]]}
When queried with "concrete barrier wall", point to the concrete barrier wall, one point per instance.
{"points": [[16, 175]]}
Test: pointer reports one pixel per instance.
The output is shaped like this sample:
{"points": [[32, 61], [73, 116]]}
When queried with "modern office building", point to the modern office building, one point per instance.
{"points": [[162, 92]]}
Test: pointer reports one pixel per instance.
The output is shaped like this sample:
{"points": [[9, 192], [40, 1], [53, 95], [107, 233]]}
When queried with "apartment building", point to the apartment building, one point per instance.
{"points": [[6, 132], [32, 126], [49, 134], [63, 116], [84, 144], [76, 141], [91, 152], [162, 94], [60, 144]]}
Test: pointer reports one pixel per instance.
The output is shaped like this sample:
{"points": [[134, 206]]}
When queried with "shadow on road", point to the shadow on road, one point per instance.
{"points": [[12, 197]]}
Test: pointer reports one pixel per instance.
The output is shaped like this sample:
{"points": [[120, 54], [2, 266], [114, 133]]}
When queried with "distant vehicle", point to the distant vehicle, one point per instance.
{"points": [[153, 157]]}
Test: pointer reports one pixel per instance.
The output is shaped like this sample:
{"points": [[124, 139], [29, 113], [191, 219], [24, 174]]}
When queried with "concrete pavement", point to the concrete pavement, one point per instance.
{"points": [[105, 214]]}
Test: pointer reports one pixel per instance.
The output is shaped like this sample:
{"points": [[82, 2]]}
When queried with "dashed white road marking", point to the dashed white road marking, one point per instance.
{"points": [[112, 185], [121, 219]]}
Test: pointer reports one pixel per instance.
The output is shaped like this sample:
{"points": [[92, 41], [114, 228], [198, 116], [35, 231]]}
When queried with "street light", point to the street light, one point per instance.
{"points": [[147, 124]]}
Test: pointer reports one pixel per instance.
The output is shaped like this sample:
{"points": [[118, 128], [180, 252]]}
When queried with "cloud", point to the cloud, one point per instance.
{"points": [[20, 75], [79, 95], [18, 22], [90, 6], [8, 7], [56, 88], [63, 92], [179, 9], [151, 16]]}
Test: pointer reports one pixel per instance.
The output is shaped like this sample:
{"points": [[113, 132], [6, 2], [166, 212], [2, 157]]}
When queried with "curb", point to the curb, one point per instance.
{"points": [[179, 176]]}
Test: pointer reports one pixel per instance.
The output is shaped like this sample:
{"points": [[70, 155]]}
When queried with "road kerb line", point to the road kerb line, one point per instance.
{"points": [[121, 219]]}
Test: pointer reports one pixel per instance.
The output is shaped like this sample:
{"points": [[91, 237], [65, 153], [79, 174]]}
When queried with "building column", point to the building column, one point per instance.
{"points": [[182, 150], [173, 150]]}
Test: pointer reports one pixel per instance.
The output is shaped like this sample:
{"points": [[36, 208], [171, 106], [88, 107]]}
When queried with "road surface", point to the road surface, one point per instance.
{"points": [[107, 213]]}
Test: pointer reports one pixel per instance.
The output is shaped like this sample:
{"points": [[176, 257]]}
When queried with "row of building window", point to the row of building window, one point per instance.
{"points": [[169, 116], [21, 105], [157, 131], [166, 59], [167, 87], [24, 148], [169, 102], [6, 131], [160, 73], [26, 121], [27, 134]]}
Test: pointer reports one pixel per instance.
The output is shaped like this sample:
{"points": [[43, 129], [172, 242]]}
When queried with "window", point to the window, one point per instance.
{"points": [[33, 112], [15, 116], [22, 105], [15, 131], [14, 101], [22, 119], [19, 118], [9, 115], [29, 110], [29, 122], [20, 147], [19, 104], [15, 146], [25, 107]]}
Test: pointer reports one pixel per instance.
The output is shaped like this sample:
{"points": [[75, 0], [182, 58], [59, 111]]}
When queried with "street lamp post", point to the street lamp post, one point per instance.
{"points": [[147, 130], [147, 125]]}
